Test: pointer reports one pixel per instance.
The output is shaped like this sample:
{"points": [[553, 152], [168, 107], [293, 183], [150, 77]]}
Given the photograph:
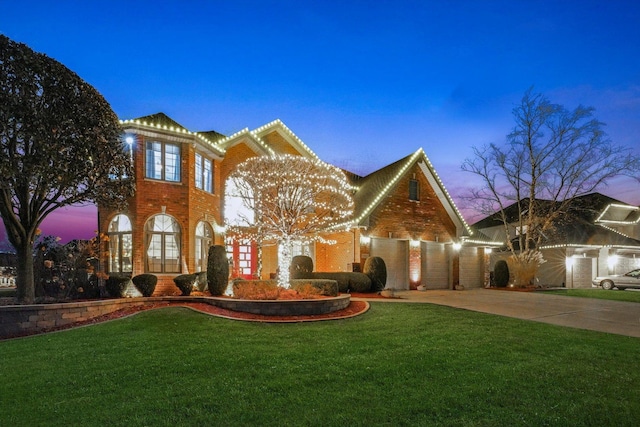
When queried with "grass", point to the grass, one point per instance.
{"points": [[615, 295], [396, 365]]}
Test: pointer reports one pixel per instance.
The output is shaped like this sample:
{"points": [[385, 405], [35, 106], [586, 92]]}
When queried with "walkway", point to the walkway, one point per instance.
{"points": [[615, 317]]}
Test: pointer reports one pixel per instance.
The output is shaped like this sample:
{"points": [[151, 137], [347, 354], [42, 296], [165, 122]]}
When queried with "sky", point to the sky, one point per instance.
{"points": [[362, 83]]}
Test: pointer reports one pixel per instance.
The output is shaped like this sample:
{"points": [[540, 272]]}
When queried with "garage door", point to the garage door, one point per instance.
{"points": [[582, 272], [435, 265], [395, 254], [471, 267]]}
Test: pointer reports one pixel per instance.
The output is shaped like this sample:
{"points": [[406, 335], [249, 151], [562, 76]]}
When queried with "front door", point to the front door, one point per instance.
{"points": [[243, 255]]}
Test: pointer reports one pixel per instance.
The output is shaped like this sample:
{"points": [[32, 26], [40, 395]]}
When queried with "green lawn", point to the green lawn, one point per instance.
{"points": [[615, 295], [396, 365]]}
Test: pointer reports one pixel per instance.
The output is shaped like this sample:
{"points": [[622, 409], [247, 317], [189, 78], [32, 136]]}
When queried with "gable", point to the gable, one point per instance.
{"points": [[374, 188]]}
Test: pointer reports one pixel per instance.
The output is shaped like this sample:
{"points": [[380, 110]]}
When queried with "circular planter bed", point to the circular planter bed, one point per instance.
{"points": [[285, 307]]}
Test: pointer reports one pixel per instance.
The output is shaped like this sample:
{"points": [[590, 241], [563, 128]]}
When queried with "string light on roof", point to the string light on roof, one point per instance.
{"points": [[173, 129]]}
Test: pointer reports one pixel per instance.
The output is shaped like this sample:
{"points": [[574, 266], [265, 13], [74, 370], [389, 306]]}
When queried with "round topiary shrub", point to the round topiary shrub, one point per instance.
{"points": [[116, 285], [300, 264], [376, 269], [501, 273], [145, 283], [185, 282], [217, 270]]}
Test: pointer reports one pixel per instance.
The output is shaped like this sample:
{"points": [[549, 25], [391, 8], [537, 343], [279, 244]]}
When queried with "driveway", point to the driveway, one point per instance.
{"points": [[615, 317]]}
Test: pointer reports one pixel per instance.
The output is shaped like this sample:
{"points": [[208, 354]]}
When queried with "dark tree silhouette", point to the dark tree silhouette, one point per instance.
{"points": [[60, 145]]}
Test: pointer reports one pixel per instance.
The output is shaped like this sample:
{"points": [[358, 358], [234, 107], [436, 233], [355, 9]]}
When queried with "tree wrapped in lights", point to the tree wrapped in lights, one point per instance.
{"points": [[286, 199]]}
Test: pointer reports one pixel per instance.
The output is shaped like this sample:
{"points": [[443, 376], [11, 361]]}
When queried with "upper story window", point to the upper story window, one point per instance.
{"points": [[204, 173], [163, 161], [414, 190]]}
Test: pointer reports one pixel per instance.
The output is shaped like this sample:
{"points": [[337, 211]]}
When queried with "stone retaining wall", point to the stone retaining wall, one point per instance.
{"points": [[22, 319], [285, 307]]}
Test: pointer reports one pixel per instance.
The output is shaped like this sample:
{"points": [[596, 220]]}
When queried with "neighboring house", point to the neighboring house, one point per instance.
{"points": [[597, 237], [8, 265], [403, 212]]}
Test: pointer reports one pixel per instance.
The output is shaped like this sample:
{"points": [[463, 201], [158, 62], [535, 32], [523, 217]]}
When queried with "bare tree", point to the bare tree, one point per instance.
{"points": [[286, 199], [552, 156], [60, 145]]}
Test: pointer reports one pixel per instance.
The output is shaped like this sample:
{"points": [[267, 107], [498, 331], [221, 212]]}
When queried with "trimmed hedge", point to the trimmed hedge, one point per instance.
{"points": [[325, 286], [145, 283], [501, 273], [376, 270], [347, 281], [116, 285], [185, 282], [217, 270]]}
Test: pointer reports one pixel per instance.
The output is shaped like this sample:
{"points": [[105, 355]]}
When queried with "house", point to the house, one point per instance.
{"points": [[598, 236], [403, 213]]}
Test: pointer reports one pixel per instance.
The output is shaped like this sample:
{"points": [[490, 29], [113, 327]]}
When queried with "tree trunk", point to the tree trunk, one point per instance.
{"points": [[25, 280], [284, 262]]}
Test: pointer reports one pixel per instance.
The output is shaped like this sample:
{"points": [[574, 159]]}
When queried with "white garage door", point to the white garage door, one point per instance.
{"points": [[471, 267], [435, 265], [582, 272], [395, 254]]}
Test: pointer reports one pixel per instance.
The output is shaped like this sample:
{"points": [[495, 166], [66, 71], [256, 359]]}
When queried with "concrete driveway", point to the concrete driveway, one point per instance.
{"points": [[622, 318]]}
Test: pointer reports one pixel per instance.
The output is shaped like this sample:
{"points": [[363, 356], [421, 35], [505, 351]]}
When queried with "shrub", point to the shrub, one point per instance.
{"points": [[86, 285], [116, 285], [217, 270], [376, 269], [201, 281], [145, 283], [185, 282], [501, 273], [256, 289], [347, 281], [324, 287], [301, 264]]}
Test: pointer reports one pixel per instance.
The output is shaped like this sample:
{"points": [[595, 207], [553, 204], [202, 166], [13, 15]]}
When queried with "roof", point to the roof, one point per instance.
{"points": [[160, 119], [581, 224], [373, 188]]}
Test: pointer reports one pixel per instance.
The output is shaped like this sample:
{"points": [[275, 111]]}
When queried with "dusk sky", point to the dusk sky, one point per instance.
{"points": [[363, 83]]}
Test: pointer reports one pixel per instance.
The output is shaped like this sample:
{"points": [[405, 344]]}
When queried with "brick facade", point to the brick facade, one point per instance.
{"points": [[395, 216]]}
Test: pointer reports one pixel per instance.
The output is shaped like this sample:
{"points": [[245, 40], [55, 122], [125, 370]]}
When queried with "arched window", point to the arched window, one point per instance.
{"points": [[120, 244], [204, 238], [162, 239]]}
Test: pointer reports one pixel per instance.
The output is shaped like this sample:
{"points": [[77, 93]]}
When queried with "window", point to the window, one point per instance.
{"points": [[162, 237], [163, 161], [120, 244], [238, 208], [204, 238], [414, 190], [204, 173]]}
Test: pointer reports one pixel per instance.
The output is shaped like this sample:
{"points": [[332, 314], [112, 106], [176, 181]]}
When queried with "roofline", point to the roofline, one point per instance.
{"points": [[432, 177], [291, 137], [172, 130]]}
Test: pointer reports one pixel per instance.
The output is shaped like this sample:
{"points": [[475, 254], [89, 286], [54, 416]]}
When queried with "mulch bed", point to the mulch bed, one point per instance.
{"points": [[355, 308]]}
